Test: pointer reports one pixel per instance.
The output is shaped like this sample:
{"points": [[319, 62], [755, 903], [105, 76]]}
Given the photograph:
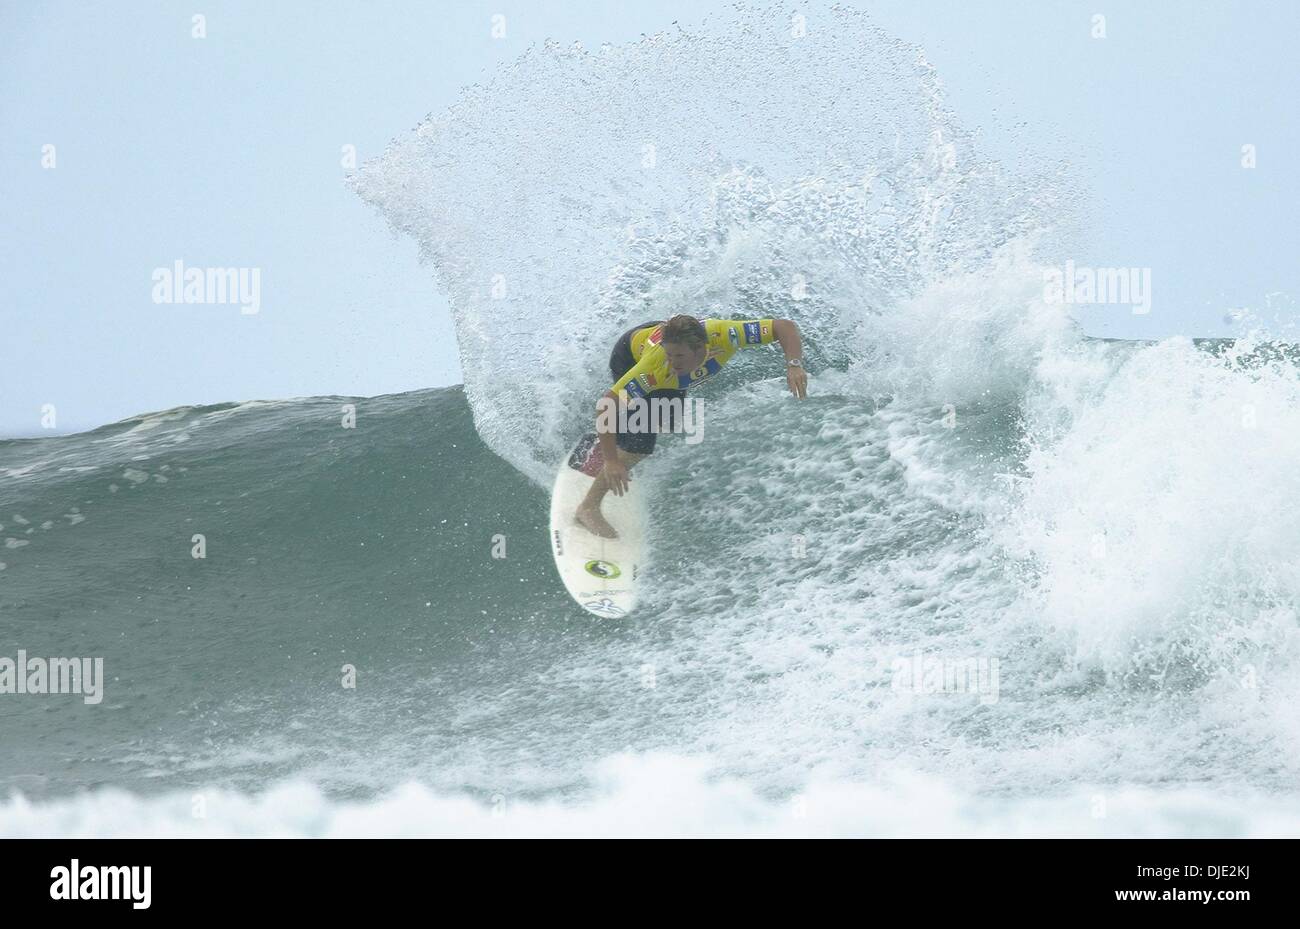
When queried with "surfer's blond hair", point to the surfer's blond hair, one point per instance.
{"points": [[685, 330]]}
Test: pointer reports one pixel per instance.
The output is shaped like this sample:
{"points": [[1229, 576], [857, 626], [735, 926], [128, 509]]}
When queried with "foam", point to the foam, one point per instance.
{"points": [[660, 795]]}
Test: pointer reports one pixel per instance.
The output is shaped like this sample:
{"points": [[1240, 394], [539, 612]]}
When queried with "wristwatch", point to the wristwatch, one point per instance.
{"points": [[794, 363]]}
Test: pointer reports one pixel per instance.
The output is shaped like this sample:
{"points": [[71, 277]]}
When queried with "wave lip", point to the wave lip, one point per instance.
{"points": [[741, 168]]}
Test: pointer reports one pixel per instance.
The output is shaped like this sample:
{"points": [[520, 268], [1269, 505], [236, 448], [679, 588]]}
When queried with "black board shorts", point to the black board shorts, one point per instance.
{"points": [[620, 362]]}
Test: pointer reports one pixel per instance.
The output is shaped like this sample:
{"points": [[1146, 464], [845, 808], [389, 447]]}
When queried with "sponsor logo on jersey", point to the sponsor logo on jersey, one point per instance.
{"points": [[710, 368], [733, 337], [656, 335], [752, 334], [634, 389]]}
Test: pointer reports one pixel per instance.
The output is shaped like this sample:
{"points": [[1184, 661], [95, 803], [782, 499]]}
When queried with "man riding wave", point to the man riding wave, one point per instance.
{"points": [[660, 361]]}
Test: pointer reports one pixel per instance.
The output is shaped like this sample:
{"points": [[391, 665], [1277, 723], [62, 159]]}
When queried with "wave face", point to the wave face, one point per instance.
{"points": [[1114, 540], [991, 570]]}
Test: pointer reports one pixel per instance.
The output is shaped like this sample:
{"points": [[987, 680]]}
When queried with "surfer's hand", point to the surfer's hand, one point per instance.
{"points": [[616, 478], [797, 380]]}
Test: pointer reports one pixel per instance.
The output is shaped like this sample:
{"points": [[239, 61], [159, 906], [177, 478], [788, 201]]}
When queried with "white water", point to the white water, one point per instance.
{"points": [[1113, 525], [665, 796], [736, 169]]}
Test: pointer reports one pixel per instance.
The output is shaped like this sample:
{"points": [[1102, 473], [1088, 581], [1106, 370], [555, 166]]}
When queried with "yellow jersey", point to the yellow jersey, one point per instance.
{"points": [[652, 371]]}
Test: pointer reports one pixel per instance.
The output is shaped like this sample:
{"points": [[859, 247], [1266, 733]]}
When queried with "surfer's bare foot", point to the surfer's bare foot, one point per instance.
{"points": [[590, 519]]}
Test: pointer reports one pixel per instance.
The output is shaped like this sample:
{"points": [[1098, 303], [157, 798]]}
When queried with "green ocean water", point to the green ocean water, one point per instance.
{"points": [[1106, 529], [325, 546]]}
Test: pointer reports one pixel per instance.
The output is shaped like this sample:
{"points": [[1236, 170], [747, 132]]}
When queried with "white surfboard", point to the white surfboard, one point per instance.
{"points": [[601, 574]]}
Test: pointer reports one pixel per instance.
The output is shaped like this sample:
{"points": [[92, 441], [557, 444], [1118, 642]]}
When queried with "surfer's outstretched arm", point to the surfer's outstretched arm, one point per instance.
{"points": [[787, 333]]}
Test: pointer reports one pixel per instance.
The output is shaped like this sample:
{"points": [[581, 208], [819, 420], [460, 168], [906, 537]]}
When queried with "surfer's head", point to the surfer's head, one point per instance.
{"points": [[685, 342]]}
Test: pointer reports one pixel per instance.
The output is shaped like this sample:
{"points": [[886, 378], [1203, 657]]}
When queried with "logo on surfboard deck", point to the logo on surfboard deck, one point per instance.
{"points": [[606, 570], [604, 607]]}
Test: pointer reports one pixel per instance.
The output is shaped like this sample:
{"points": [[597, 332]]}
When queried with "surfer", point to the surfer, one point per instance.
{"points": [[659, 361]]}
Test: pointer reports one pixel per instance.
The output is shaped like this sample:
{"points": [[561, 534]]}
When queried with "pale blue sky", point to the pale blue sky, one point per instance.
{"points": [[225, 151]]}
